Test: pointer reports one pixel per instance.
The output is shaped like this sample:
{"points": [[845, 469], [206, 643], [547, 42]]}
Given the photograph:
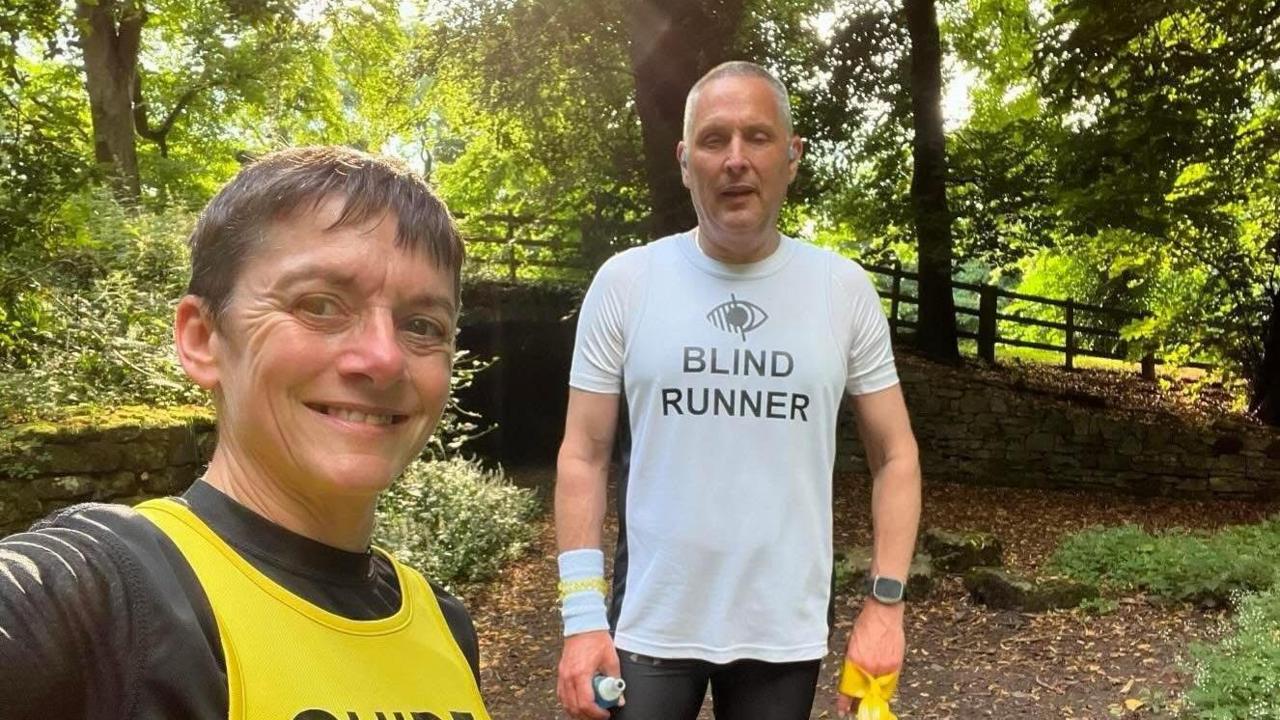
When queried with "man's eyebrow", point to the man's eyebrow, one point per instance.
{"points": [[719, 127]]}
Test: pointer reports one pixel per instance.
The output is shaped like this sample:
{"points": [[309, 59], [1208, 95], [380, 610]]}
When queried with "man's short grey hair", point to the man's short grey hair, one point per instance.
{"points": [[738, 68]]}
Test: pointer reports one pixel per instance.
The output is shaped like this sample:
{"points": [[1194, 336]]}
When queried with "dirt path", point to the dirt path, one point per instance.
{"points": [[963, 660]]}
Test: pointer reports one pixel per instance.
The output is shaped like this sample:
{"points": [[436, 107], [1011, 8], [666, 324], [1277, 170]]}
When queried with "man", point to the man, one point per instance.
{"points": [[321, 312], [734, 346]]}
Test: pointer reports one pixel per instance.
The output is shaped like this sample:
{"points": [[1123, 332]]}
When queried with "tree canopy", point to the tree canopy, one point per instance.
{"points": [[1123, 154]]}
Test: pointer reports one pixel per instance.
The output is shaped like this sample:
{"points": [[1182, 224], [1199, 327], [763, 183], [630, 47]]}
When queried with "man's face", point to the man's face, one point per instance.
{"points": [[735, 160], [333, 356]]}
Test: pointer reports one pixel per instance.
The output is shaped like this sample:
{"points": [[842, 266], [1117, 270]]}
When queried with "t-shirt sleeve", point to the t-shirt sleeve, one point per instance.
{"points": [[66, 639], [599, 347], [860, 317]]}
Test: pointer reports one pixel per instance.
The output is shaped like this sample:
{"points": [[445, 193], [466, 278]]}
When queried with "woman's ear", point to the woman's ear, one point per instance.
{"points": [[197, 340]]}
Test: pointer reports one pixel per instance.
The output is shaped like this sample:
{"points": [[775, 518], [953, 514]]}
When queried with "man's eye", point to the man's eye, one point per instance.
{"points": [[319, 306]]}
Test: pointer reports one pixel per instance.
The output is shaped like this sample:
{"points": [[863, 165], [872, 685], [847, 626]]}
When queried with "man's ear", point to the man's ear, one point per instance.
{"points": [[794, 151], [682, 157], [197, 340]]}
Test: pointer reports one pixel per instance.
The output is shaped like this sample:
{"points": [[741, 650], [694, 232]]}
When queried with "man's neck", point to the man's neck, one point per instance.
{"points": [[345, 523], [737, 250]]}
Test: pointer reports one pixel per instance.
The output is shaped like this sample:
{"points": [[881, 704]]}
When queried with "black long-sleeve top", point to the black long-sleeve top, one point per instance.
{"points": [[101, 617]]}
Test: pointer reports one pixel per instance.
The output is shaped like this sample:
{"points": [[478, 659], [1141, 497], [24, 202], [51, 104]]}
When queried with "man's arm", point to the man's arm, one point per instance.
{"points": [[894, 461], [878, 642], [582, 472], [582, 468]]}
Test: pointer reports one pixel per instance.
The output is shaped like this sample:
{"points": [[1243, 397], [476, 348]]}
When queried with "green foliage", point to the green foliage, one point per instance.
{"points": [[1120, 153], [218, 81], [843, 573], [91, 322], [533, 117], [1115, 269], [1178, 564], [108, 347], [1098, 606], [1171, 110], [1238, 678], [536, 107], [43, 146], [861, 139], [454, 520]]}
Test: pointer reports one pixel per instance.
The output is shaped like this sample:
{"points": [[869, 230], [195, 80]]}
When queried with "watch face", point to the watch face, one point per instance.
{"points": [[887, 590]]}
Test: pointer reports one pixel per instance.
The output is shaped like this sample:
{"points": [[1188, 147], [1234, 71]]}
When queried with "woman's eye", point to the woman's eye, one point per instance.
{"points": [[319, 306], [424, 328]]}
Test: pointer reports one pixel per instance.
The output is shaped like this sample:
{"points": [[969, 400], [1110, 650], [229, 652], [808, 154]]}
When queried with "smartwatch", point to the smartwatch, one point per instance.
{"points": [[883, 589]]}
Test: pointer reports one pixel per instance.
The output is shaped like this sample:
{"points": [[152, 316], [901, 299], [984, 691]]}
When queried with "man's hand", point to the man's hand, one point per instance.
{"points": [[584, 656], [877, 644]]}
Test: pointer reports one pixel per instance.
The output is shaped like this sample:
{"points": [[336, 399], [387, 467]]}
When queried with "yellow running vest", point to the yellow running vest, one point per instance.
{"points": [[290, 660]]}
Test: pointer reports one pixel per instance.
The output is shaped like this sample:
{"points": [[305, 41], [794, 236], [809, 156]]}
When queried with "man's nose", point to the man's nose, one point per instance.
{"points": [[372, 351], [736, 157]]}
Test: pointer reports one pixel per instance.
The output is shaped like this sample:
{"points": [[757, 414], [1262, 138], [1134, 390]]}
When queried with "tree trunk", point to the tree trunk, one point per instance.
{"points": [[1264, 401], [936, 332], [110, 32], [672, 43]]}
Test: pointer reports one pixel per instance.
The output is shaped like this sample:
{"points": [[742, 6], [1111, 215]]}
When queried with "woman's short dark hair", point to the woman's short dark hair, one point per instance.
{"points": [[233, 224]]}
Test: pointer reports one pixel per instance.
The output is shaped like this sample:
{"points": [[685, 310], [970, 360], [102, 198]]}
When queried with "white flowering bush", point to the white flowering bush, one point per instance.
{"points": [[1238, 678], [454, 520]]}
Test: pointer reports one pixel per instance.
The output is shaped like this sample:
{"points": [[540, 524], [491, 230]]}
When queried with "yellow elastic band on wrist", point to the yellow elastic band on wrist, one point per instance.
{"points": [[569, 587], [874, 692]]}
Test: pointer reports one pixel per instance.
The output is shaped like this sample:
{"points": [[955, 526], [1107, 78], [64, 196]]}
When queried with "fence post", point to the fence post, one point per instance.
{"points": [[1149, 366], [1071, 334], [893, 299], [987, 323], [512, 261]]}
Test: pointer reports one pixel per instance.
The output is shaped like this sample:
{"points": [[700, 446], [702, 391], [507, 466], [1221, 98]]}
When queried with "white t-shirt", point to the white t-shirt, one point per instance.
{"points": [[733, 378]]}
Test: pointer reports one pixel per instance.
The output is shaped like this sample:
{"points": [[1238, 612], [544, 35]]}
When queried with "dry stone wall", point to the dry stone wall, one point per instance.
{"points": [[976, 430], [46, 467]]}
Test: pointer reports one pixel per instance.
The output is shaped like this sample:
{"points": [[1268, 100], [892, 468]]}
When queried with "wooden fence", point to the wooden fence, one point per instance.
{"points": [[1087, 330], [1081, 337], [503, 242]]}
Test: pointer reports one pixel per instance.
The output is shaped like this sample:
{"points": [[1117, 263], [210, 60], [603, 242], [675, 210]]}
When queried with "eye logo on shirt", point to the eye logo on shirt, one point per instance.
{"points": [[737, 316]]}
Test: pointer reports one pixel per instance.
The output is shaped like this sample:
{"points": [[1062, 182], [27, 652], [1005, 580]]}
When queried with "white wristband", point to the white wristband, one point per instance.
{"points": [[582, 610]]}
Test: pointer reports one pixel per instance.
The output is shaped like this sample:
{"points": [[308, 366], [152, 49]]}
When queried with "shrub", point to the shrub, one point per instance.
{"points": [[109, 347], [89, 321], [455, 521], [1178, 564], [1239, 677]]}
